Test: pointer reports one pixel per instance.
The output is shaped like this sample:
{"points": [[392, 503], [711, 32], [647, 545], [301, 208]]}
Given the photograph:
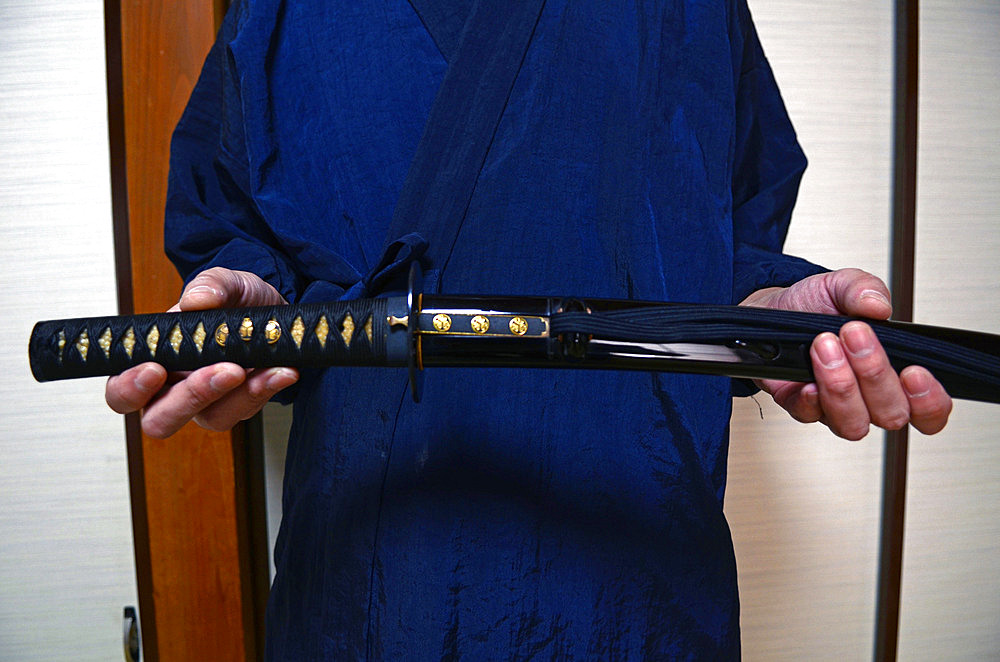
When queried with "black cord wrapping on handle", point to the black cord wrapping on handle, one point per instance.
{"points": [[338, 333], [966, 363]]}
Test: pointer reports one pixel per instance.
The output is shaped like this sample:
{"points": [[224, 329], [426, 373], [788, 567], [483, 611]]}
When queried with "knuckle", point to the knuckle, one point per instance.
{"points": [[226, 414], [120, 398], [193, 402], [943, 408], [841, 386], [214, 421], [803, 415], [257, 395], [852, 426], [932, 426], [853, 432], [118, 403], [802, 409], [157, 427], [895, 420], [934, 413], [215, 274], [259, 290], [208, 277], [874, 370], [198, 394]]}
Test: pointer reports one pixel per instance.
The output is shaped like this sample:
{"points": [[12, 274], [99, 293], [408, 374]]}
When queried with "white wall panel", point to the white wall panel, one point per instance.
{"points": [[66, 564], [804, 505], [951, 563], [277, 424]]}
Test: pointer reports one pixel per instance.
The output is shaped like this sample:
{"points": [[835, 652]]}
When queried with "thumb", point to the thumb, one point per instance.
{"points": [[219, 288], [859, 294]]}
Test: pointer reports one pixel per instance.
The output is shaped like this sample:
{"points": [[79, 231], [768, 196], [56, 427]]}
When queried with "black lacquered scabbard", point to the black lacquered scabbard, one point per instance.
{"points": [[422, 331]]}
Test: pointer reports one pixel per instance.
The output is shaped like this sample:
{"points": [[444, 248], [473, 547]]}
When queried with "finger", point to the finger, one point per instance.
{"points": [[212, 288], [880, 387], [247, 399], [218, 288], [133, 389], [807, 405], [182, 401], [800, 400], [859, 293], [930, 405], [844, 409]]}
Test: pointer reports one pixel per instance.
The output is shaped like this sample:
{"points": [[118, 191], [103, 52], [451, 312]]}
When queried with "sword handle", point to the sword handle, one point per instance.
{"points": [[312, 335]]}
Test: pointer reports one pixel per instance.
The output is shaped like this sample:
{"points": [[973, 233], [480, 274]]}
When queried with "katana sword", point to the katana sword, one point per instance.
{"points": [[419, 331]]}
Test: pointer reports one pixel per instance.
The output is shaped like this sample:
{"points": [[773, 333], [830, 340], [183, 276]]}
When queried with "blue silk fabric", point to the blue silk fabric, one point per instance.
{"points": [[644, 153]]}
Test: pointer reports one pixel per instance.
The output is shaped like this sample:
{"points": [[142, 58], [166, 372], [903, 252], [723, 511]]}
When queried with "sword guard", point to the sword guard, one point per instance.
{"points": [[415, 361]]}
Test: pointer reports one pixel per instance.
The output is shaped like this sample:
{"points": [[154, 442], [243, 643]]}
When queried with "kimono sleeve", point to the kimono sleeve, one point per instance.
{"points": [[768, 166], [211, 219]]}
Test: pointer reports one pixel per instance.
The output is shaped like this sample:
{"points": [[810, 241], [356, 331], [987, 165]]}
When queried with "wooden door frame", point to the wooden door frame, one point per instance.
{"points": [[198, 511]]}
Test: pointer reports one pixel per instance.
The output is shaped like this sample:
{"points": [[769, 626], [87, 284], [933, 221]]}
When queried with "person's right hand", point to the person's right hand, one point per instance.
{"points": [[216, 397]]}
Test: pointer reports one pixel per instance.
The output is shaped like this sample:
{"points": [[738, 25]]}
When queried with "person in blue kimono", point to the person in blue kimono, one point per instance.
{"points": [[644, 153]]}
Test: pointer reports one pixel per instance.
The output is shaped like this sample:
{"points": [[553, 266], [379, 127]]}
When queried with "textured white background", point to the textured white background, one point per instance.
{"points": [[802, 504], [66, 567], [951, 562]]}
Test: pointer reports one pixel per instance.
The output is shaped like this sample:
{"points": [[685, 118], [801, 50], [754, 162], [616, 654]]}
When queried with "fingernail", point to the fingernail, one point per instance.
{"points": [[828, 350], [147, 380], [225, 380], [878, 296], [280, 378], [859, 339], [917, 383], [204, 289]]}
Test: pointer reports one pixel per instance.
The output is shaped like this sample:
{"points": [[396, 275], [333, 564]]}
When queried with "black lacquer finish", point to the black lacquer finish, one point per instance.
{"points": [[715, 340], [296, 335], [523, 332]]}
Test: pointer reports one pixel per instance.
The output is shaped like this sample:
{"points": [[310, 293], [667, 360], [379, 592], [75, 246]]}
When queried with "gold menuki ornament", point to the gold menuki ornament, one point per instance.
{"points": [[368, 329], [246, 329], [272, 331], [480, 324], [222, 334], [518, 326], [441, 322]]}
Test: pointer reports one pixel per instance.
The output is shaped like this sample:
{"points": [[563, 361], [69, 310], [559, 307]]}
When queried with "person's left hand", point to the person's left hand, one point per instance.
{"points": [[855, 384]]}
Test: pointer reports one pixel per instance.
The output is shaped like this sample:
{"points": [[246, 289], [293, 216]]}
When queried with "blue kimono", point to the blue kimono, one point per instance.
{"points": [[644, 152]]}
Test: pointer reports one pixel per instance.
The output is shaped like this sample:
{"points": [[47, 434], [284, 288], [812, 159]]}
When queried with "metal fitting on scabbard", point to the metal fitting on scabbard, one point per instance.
{"points": [[480, 323], [573, 345]]}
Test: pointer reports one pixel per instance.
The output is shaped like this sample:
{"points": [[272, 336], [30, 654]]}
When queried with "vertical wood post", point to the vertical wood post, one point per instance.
{"points": [[901, 260], [195, 504]]}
